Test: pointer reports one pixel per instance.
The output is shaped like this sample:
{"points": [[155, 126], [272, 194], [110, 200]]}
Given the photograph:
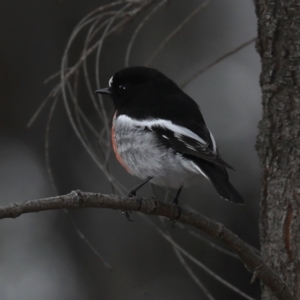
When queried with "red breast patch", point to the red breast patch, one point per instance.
{"points": [[115, 147]]}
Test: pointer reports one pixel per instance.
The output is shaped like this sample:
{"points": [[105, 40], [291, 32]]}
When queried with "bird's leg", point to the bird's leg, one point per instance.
{"points": [[132, 193], [179, 209]]}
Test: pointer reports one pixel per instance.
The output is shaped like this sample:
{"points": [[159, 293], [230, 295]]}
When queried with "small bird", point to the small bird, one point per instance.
{"points": [[159, 134]]}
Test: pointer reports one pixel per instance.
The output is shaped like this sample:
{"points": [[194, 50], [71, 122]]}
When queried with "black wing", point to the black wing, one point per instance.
{"points": [[187, 145]]}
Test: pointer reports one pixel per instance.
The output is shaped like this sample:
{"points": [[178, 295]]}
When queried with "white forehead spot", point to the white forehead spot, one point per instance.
{"points": [[110, 81]]}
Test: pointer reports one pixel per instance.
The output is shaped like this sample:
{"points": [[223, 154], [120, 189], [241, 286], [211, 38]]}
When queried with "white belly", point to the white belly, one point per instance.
{"points": [[141, 154]]}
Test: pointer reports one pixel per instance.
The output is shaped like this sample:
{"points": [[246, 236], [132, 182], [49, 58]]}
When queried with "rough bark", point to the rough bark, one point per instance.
{"points": [[278, 142]]}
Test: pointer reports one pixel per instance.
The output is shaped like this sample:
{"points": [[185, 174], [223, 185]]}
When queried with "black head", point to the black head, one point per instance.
{"points": [[136, 85]]}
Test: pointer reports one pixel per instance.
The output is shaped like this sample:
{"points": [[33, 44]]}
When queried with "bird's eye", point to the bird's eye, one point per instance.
{"points": [[121, 89]]}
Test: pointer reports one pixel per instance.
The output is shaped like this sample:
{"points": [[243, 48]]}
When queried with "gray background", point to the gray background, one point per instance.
{"points": [[41, 255]]}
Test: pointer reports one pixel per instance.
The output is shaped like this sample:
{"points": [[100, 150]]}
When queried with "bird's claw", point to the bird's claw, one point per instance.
{"points": [[127, 214], [174, 221], [132, 194]]}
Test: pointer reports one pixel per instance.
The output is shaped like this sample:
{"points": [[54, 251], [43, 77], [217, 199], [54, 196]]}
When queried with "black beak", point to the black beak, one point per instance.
{"points": [[104, 91]]}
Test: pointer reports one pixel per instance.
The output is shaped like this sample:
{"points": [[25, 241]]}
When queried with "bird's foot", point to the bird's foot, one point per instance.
{"points": [[179, 211], [132, 193], [127, 213]]}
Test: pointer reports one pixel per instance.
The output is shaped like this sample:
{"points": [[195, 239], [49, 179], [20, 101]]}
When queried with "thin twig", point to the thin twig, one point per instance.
{"points": [[53, 93], [86, 241], [97, 65], [200, 264], [138, 29], [211, 244], [114, 29], [91, 91], [193, 276], [100, 9], [47, 143], [206, 68], [177, 252], [175, 32], [50, 173], [53, 76], [180, 257]]}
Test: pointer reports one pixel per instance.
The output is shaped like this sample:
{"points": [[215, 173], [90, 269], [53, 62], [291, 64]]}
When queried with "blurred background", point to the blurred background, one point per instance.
{"points": [[42, 256]]}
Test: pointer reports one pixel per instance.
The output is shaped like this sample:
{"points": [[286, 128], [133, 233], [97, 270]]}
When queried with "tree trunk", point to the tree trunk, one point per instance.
{"points": [[278, 143]]}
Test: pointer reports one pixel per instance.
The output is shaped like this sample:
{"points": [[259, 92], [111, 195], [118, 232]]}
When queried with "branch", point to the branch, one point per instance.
{"points": [[78, 199]]}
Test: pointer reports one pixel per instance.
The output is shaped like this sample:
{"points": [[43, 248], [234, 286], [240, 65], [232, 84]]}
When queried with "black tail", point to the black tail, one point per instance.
{"points": [[218, 176]]}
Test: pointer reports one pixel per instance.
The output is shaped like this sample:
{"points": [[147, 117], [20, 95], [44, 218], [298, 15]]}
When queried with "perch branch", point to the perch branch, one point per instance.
{"points": [[78, 199]]}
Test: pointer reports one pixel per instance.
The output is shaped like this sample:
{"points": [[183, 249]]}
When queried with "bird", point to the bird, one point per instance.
{"points": [[158, 134]]}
